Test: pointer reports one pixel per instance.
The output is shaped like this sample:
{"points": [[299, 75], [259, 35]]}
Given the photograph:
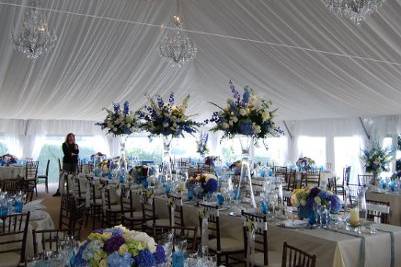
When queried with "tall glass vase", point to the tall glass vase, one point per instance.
{"points": [[123, 163], [356, 204], [166, 164], [244, 188]]}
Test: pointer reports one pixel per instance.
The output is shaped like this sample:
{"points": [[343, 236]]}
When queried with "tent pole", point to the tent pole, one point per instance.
{"points": [[288, 130], [364, 128]]}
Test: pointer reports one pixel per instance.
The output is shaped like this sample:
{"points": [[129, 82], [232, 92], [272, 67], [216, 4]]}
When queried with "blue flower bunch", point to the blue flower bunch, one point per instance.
{"points": [[247, 115], [166, 118], [306, 199], [119, 121]]}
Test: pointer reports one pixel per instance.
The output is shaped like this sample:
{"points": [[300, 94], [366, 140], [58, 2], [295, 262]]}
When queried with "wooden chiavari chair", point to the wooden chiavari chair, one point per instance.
{"points": [[152, 222], [111, 207], [45, 177], [95, 206], [312, 178], [188, 233], [131, 217], [71, 215], [221, 246], [280, 171], [48, 240], [294, 257], [259, 255], [378, 211], [291, 182], [31, 174], [13, 238], [14, 186]]}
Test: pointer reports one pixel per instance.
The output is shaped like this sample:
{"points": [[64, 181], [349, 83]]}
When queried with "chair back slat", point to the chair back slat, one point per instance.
{"points": [[13, 234], [294, 257], [378, 211]]}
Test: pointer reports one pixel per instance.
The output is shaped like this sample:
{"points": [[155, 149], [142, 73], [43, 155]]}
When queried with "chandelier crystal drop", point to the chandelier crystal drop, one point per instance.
{"points": [[34, 39], [355, 10], [175, 44]]}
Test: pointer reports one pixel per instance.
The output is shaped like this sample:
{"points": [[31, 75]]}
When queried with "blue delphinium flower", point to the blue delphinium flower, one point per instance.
{"points": [[126, 107], [246, 95], [159, 255], [116, 107], [145, 259], [171, 99]]}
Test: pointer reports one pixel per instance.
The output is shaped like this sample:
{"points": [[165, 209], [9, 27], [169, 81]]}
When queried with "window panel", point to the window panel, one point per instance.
{"points": [[347, 152], [314, 148]]}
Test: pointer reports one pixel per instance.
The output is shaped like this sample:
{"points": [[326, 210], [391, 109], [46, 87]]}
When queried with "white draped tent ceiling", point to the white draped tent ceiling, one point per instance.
{"points": [[308, 62]]}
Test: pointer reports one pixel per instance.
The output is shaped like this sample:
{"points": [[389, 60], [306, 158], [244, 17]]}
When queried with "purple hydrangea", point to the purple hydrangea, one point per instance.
{"points": [[113, 244]]}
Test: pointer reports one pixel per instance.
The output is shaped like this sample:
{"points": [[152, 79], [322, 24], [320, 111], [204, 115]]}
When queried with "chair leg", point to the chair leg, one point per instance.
{"points": [[47, 185], [36, 188]]}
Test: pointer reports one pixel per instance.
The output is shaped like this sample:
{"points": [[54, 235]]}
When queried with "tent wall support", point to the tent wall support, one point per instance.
{"points": [[364, 128]]}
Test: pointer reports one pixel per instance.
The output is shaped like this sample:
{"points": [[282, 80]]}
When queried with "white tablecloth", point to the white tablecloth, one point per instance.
{"points": [[11, 172], [331, 248]]}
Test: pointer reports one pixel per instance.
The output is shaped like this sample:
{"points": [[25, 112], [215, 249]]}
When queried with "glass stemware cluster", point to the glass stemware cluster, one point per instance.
{"points": [[10, 203]]}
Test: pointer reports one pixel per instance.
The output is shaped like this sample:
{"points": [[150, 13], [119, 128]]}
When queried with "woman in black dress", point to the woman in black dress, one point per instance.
{"points": [[71, 151]]}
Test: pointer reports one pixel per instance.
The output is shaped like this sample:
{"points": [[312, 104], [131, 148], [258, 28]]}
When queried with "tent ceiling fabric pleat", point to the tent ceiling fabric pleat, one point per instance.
{"points": [[308, 62]]}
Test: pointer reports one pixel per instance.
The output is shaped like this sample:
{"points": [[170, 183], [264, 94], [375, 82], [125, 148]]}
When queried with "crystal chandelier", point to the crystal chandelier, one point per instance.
{"points": [[175, 44], [355, 10], [34, 39]]}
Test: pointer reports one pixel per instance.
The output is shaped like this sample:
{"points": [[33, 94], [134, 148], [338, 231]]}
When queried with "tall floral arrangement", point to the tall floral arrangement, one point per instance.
{"points": [[166, 118], [119, 121], [119, 247], [376, 159], [247, 115]]}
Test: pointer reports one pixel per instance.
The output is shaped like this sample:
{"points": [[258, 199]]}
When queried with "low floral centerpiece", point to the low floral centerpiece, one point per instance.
{"points": [[305, 163], [119, 247], [306, 200], [8, 159], [169, 120], [249, 118], [376, 160], [140, 174], [202, 184]]}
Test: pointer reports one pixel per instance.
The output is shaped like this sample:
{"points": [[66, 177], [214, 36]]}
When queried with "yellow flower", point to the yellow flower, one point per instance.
{"points": [[106, 236], [123, 249], [103, 263], [99, 256], [95, 236]]}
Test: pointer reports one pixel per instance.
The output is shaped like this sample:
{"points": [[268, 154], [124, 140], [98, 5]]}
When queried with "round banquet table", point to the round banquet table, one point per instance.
{"points": [[11, 172]]}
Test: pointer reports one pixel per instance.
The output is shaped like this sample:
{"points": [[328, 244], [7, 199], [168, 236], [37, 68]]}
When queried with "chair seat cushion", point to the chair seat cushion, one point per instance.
{"points": [[114, 208], [136, 215], [9, 259], [274, 257], [227, 244], [158, 222]]}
